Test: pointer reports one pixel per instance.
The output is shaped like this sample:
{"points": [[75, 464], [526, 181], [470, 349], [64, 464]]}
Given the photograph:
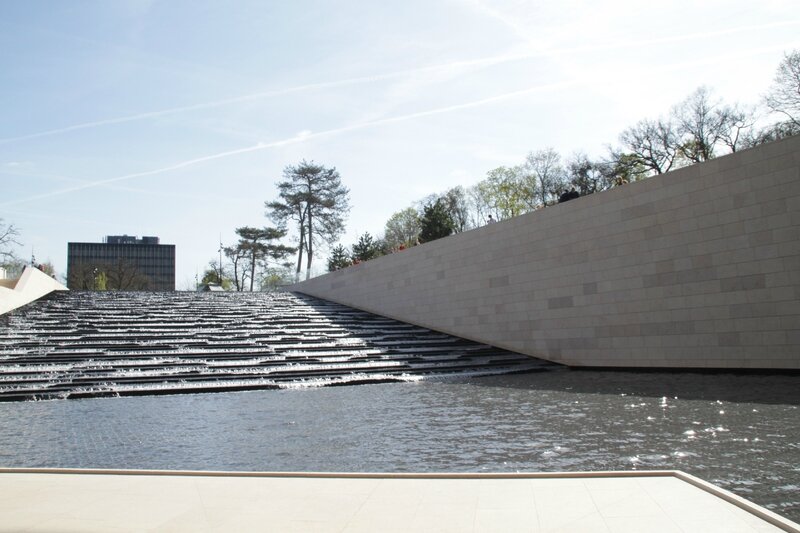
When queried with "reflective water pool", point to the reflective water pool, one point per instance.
{"points": [[740, 432]]}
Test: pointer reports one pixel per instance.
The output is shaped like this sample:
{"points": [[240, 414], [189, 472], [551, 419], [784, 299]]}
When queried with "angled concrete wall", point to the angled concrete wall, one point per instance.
{"points": [[30, 286], [696, 268]]}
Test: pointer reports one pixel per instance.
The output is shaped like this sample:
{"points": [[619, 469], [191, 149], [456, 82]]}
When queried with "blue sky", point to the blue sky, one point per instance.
{"points": [[175, 118]]}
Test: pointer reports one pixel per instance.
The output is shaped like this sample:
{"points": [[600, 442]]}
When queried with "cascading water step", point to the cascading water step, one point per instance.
{"points": [[81, 344]]}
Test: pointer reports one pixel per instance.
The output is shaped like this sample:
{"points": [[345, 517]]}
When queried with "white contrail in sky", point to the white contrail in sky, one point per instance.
{"points": [[122, 188], [276, 92], [483, 62], [301, 137]]}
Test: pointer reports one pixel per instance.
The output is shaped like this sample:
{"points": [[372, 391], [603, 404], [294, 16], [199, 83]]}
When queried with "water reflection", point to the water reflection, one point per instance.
{"points": [[779, 388], [739, 431]]}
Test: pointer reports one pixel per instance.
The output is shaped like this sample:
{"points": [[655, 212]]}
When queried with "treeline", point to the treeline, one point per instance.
{"points": [[696, 129], [119, 275], [254, 262]]}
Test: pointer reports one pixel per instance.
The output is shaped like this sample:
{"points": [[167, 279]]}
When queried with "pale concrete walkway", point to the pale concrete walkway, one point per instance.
{"points": [[170, 501]]}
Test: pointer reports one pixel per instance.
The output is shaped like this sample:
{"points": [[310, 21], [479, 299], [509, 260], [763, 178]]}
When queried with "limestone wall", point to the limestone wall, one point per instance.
{"points": [[696, 268]]}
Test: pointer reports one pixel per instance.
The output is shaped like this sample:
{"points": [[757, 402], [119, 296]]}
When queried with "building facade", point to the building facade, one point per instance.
{"points": [[121, 262]]}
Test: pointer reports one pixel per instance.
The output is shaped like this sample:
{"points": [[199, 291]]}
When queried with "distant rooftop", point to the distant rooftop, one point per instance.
{"points": [[130, 239]]}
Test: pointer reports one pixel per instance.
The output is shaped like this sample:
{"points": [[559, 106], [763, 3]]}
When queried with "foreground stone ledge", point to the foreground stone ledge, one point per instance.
{"points": [[37, 499]]}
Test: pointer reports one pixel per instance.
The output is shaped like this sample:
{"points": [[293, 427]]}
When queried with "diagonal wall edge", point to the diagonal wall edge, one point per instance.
{"points": [[697, 268]]}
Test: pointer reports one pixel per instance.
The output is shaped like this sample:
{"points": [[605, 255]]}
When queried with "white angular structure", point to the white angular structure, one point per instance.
{"points": [[30, 286]]}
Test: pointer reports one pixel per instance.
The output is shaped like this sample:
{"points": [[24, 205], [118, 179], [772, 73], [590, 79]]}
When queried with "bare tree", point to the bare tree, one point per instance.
{"points": [[123, 275], [770, 133], [456, 203], [8, 237], [544, 176], [236, 256], [14, 267], [784, 94], [621, 168], [82, 276], [653, 144], [587, 176], [703, 123], [740, 123], [119, 275]]}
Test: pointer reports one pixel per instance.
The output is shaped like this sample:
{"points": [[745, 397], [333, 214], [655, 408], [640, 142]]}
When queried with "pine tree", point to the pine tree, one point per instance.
{"points": [[436, 222], [339, 258]]}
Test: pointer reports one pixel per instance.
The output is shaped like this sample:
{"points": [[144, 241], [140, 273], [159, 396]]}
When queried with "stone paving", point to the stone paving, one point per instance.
{"points": [[664, 502]]}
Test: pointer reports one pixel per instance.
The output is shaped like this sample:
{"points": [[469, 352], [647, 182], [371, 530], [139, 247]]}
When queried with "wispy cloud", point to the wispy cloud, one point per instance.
{"points": [[525, 32], [512, 22], [454, 65], [302, 136], [482, 62], [77, 183]]}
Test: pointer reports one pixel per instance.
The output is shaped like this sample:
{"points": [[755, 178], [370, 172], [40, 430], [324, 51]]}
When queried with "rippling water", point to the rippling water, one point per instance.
{"points": [[740, 432]]}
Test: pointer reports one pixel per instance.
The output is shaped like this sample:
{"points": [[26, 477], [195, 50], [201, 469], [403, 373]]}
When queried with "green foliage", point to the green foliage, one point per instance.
{"points": [[436, 222], [339, 258], [272, 278], [212, 275], [502, 193], [403, 228], [101, 282], [367, 248], [257, 247]]}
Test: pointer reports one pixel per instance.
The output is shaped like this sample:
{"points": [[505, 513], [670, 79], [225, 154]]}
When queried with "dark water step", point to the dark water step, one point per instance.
{"points": [[61, 382], [166, 387], [98, 344]]}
